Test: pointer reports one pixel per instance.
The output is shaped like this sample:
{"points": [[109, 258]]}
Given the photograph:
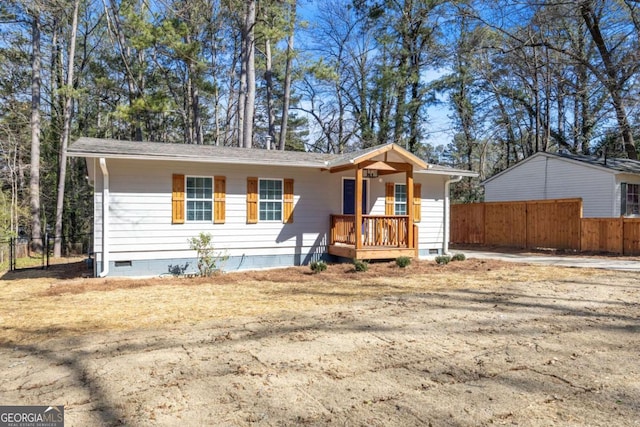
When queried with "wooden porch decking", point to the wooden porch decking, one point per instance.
{"points": [[381, 237], [369, 252]]}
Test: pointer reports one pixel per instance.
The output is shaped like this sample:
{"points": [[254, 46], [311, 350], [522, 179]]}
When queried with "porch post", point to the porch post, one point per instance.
{"points": [[409, 186], [358, 219]]}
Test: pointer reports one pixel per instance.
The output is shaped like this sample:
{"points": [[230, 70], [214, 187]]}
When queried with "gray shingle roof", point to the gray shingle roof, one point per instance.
{"points": [[616, 164], [112, 148], [96, 147]]}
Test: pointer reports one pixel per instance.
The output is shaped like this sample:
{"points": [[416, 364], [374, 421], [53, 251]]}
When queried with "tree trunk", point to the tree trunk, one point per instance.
{"points": [[250, 67], [242, 91], [34, 180], [135, 89], [612, 80], [57, 248], [287, 79], [194, 99], [268, 77]]}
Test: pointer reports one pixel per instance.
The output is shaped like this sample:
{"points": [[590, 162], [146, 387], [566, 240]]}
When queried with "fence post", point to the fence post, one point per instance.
{"points": [[11, 254], [46, 246], [622, 235]]}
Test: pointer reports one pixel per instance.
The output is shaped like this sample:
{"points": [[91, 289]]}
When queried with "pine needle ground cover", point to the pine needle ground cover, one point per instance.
{"points": [[468, 343]]}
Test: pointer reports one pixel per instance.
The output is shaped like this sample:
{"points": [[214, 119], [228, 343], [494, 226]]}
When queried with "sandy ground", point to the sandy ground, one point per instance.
{"points": [[529, 346]]}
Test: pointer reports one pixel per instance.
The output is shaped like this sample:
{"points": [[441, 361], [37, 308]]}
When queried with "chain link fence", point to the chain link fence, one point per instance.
{"points": [[23, 252]]}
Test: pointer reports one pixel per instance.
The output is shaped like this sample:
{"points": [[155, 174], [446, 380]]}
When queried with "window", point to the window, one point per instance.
{"points": [[199, 198], [400, 197], [632, 199], [396, 200], [270, 200]]}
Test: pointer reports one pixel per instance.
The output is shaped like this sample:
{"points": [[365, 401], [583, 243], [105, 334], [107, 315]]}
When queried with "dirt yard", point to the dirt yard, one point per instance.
{"points": [[472, 343]]}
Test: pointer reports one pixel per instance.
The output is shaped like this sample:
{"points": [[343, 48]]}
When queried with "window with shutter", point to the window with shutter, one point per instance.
{"points": [[198, 198], [396, 202]]}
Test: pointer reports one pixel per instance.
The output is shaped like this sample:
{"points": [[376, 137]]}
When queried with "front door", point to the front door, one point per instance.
{"points": [[349, 197]]}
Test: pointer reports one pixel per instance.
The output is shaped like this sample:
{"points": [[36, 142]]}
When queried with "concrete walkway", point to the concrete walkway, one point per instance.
{"points": [[607, 263]]}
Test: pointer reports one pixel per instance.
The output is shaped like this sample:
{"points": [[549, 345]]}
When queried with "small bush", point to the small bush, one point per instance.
{"points": [[443, 259], [403, 261], [318, 266], [458, 257], [360, 265], [209, 260]]}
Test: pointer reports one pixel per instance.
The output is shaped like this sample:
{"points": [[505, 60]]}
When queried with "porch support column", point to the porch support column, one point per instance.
{"points": [[358, 219], [409, 187]]}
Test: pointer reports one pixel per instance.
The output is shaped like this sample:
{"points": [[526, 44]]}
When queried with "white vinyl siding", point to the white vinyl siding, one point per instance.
{"points": [[140, 211], [543, 178], [431, 228]]}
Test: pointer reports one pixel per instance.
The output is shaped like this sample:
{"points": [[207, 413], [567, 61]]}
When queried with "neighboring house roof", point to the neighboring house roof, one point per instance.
{"points": [[111, 148], [613, 165]]}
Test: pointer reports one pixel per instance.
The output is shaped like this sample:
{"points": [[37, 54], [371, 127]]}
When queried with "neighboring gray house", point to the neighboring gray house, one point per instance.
{"points": [[608, 187], [264, 208]]}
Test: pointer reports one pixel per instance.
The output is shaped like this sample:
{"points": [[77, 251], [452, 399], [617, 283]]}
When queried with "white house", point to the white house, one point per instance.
{"points": [[264, 208], [608, 187]]}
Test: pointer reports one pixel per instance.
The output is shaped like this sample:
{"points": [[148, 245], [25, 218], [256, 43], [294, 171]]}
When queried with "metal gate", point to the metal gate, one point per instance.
{"points": [[32, 253]]}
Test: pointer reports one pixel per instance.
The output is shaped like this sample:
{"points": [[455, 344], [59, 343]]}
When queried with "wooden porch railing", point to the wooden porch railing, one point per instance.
{"points": [[343, 229], [377, 230]]}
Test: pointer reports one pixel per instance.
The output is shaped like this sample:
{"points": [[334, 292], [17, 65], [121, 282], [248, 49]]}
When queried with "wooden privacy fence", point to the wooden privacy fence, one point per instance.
{"points": [[556, 224], [615, 235]]}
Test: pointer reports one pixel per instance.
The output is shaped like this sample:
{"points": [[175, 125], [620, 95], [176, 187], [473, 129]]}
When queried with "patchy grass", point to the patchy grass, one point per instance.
{"points": [[38, 305]]}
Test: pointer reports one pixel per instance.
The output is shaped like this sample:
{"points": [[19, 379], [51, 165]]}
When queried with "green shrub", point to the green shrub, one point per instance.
{"points": [[458, 257], [403, 261], [443, 259], [208, 258], [360, 265], [318, 266]]}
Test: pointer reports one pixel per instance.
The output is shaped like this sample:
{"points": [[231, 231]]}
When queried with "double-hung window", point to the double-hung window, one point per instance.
{"points": [[199, 198], [400, 197], [632, 204], [270, 199]]}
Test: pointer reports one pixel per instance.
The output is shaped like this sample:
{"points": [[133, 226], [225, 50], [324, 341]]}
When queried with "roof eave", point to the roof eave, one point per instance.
{"points": [[453, 172], [195, 159]]}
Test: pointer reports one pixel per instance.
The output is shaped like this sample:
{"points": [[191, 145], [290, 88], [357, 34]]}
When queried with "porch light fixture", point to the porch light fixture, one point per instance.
{"points": [[370, 173]]}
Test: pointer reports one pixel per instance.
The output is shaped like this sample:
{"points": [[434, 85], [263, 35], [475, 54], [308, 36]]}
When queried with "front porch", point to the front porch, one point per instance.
{"points": [[356, 234], [380, 237]]}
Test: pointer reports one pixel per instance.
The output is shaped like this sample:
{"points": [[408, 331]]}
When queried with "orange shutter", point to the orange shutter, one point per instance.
{"points": [[177, 200], [389, 200], [287, 216], [417, 202], [219, 195], [252, 200]]}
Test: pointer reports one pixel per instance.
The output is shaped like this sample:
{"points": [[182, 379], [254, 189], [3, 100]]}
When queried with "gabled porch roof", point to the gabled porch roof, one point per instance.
{"points": [[386, 159]]}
